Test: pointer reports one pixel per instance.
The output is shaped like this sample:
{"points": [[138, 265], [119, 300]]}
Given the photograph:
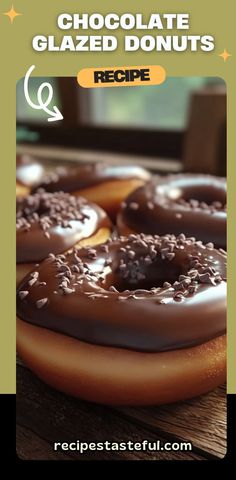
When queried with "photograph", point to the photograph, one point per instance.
{"points": [[121, 255]]}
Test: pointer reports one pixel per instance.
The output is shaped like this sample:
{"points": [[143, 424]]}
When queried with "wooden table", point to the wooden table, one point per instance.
{"points": [[45, 416]]}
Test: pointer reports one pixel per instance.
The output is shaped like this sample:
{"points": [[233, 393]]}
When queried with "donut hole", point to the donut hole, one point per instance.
{"points": [[145, 277], [206, 193]]}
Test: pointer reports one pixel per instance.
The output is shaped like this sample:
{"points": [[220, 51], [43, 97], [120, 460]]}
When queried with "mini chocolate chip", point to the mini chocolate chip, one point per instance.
{"points": [[160, 301], [199, 243], [177, 286], [193, 273], [192, 289], [108, 261], [178, 297], [122, 267], [170, 256], [35, 275], [186, 282], [183, 277], [91, 253], [23, 293], [217, 204], [104, 248], [40, 303], [77, 259], [204, 278], [194, 203], [210, 245], [147, 260], [68, 290], [32, 281], [142, 243], [134, 206], [75, 269], [113, 289]]}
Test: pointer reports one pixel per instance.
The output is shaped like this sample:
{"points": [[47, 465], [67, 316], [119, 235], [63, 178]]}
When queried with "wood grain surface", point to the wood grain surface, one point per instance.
{"points": [[45, 416]]}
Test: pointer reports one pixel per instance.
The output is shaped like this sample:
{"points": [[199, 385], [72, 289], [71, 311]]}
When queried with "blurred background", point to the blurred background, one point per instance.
{"points": [[177, 126]]}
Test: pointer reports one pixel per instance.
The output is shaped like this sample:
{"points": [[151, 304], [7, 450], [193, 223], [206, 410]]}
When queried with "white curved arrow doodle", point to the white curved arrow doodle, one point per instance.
{"points": [[54, 114]]}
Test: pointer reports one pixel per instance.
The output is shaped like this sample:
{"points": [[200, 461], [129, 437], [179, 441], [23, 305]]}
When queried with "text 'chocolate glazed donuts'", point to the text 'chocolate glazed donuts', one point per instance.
{"points": [[193, 204], [144, 293]]}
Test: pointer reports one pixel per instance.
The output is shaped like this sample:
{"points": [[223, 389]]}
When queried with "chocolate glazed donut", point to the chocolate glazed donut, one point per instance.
{"points": [[54, 222], [106, 185], [29, 172], [193, 204], [143, 319]]}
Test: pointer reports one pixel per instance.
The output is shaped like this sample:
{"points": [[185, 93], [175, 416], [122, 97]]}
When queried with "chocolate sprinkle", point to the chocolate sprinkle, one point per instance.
{"points": [[195, 205], [32, 281], [135, 255], [49, 210], [134, 206], [40, 303], [23, 294]]}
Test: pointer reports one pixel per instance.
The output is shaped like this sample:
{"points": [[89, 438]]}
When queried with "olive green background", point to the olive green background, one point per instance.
{"points": [[17, 55]]}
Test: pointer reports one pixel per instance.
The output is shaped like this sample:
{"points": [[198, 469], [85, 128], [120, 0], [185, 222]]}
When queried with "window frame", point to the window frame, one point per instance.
{"points": [[75, 133], [181, 145]]}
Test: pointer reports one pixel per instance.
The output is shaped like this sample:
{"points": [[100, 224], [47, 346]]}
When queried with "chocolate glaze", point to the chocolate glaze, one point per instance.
{"points": [[28, 170], [166, 204], [104, 296], [34, 242], [72, 179]]}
